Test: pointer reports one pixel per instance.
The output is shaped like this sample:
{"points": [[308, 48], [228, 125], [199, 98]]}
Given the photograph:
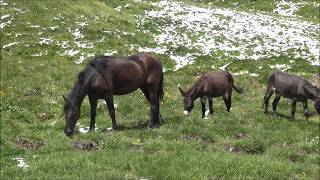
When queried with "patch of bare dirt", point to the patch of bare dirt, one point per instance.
{"points": [[86, 145], [26, 143]]}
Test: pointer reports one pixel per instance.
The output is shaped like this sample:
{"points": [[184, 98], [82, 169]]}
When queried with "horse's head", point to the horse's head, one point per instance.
{"points": [[187, 102], [72, 114]]}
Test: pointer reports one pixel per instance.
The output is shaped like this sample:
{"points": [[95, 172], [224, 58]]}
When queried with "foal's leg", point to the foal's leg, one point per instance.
{"points": [[227, 99], [266, 98], [109, 101], [275, 104], [203, 106], [306, 111], [154, 107], [210, 106], [293, 110], [93, 108]]}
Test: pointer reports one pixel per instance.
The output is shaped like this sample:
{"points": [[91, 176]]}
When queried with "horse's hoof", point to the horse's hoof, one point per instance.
{"points": [[152, 126]]}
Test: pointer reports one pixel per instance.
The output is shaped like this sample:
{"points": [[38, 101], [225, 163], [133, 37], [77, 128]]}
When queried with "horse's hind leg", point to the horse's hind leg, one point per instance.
{"points": [[93, 109], [275, 104], [306, 111], [293, 109], [146, 93], [110, 105], [154, 107], [266, 98], [227, 99], [210, 106], [203, 106]]}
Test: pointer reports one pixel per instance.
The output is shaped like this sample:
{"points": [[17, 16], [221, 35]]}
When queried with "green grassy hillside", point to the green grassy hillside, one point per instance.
{"points": [[45, 44]]}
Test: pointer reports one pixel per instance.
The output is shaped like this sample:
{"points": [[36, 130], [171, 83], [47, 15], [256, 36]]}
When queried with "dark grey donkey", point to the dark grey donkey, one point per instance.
{"points": [[211, 85], [293, 87]]}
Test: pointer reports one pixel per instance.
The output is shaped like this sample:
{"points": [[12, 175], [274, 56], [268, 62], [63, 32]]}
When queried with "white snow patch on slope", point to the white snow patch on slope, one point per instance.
{"points": [[239, 35]]}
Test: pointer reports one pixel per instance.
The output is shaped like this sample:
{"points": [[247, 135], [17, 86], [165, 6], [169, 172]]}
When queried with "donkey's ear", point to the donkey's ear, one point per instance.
{"points": [[181, 91]]}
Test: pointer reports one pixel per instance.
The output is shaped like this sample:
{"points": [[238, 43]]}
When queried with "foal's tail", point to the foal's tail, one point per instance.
{"points": [[239, 90], [160, 88]]}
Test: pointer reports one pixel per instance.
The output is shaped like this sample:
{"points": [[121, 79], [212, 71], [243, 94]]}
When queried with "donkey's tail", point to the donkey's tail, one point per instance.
{"points": [[239, 90], [160, 88]]}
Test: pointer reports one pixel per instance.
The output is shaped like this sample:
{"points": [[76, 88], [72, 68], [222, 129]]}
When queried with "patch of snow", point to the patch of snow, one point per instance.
{"points": [[76, 33], [281, 67], [10, 44], [288, 8], [4, 16], [206, 31], [2, 3], [110, 53], [224, 66], [240, 73], [254, 74], [85, 130], [22, 163], [84, 45], [35, 26], [45, 41], [71, 52], [182, 61], [157, 50], [53, 27], [118, 8]]}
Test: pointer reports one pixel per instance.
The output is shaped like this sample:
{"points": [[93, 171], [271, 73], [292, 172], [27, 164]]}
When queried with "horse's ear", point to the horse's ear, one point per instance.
{"points": [[181, 91]]}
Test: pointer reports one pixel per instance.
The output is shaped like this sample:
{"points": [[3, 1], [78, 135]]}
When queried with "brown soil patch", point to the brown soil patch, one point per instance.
{"points": [[28, 144], [85, 145]]}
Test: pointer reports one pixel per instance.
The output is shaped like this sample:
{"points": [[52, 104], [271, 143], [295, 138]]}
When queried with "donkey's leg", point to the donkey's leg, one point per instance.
{"points": [[227, 99], [93, 108], [210, 105], [203, 106], [154, 107], [306, 111], [266, 98], [109, 101], [293, 110], [275, 104]]}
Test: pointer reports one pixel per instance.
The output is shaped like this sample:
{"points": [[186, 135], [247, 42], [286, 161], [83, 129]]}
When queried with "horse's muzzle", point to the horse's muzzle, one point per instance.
{"points": [[68, 132]]}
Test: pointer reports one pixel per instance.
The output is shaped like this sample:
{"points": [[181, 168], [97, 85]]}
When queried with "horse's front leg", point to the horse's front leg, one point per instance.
{"points": [[93, 109], [210, 105], [275, 104], [306, 111], [203, 106], [293, 110], [110, 105], [154, 108]]}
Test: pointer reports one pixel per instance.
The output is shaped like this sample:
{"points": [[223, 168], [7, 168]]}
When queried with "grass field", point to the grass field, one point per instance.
{"points": [[45, 44]]}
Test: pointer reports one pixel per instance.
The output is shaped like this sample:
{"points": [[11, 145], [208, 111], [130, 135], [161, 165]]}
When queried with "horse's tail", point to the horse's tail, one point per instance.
{"points": [[160, 88], [239, 90]]}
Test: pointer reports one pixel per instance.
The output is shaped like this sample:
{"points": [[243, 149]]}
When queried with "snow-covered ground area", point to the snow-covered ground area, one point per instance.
{"points": [[22, 163], [200, 31], [240, 35]]}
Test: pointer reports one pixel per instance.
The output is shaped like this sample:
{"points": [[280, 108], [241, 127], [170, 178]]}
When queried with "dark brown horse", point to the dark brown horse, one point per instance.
{"points": [[106, 76], [211, 85], [294, 88]]}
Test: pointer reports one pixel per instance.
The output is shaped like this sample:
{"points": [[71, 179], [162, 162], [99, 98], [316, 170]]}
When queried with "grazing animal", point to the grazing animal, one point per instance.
{"points": [[294, 88], [208, 86], [106, 76]]}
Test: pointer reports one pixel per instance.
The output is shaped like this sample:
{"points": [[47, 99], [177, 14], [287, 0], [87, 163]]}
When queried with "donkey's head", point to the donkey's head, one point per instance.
{"points": [[72, 114], [187, 102], [314, 93]]}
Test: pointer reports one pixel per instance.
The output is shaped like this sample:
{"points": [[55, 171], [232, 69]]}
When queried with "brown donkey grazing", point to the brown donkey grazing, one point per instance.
{"points": [[106, 76], [208, 86], [294, 88]]}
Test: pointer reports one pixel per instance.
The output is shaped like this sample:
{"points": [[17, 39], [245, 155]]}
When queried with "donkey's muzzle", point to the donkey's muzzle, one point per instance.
{"points": [[68, 132]]}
